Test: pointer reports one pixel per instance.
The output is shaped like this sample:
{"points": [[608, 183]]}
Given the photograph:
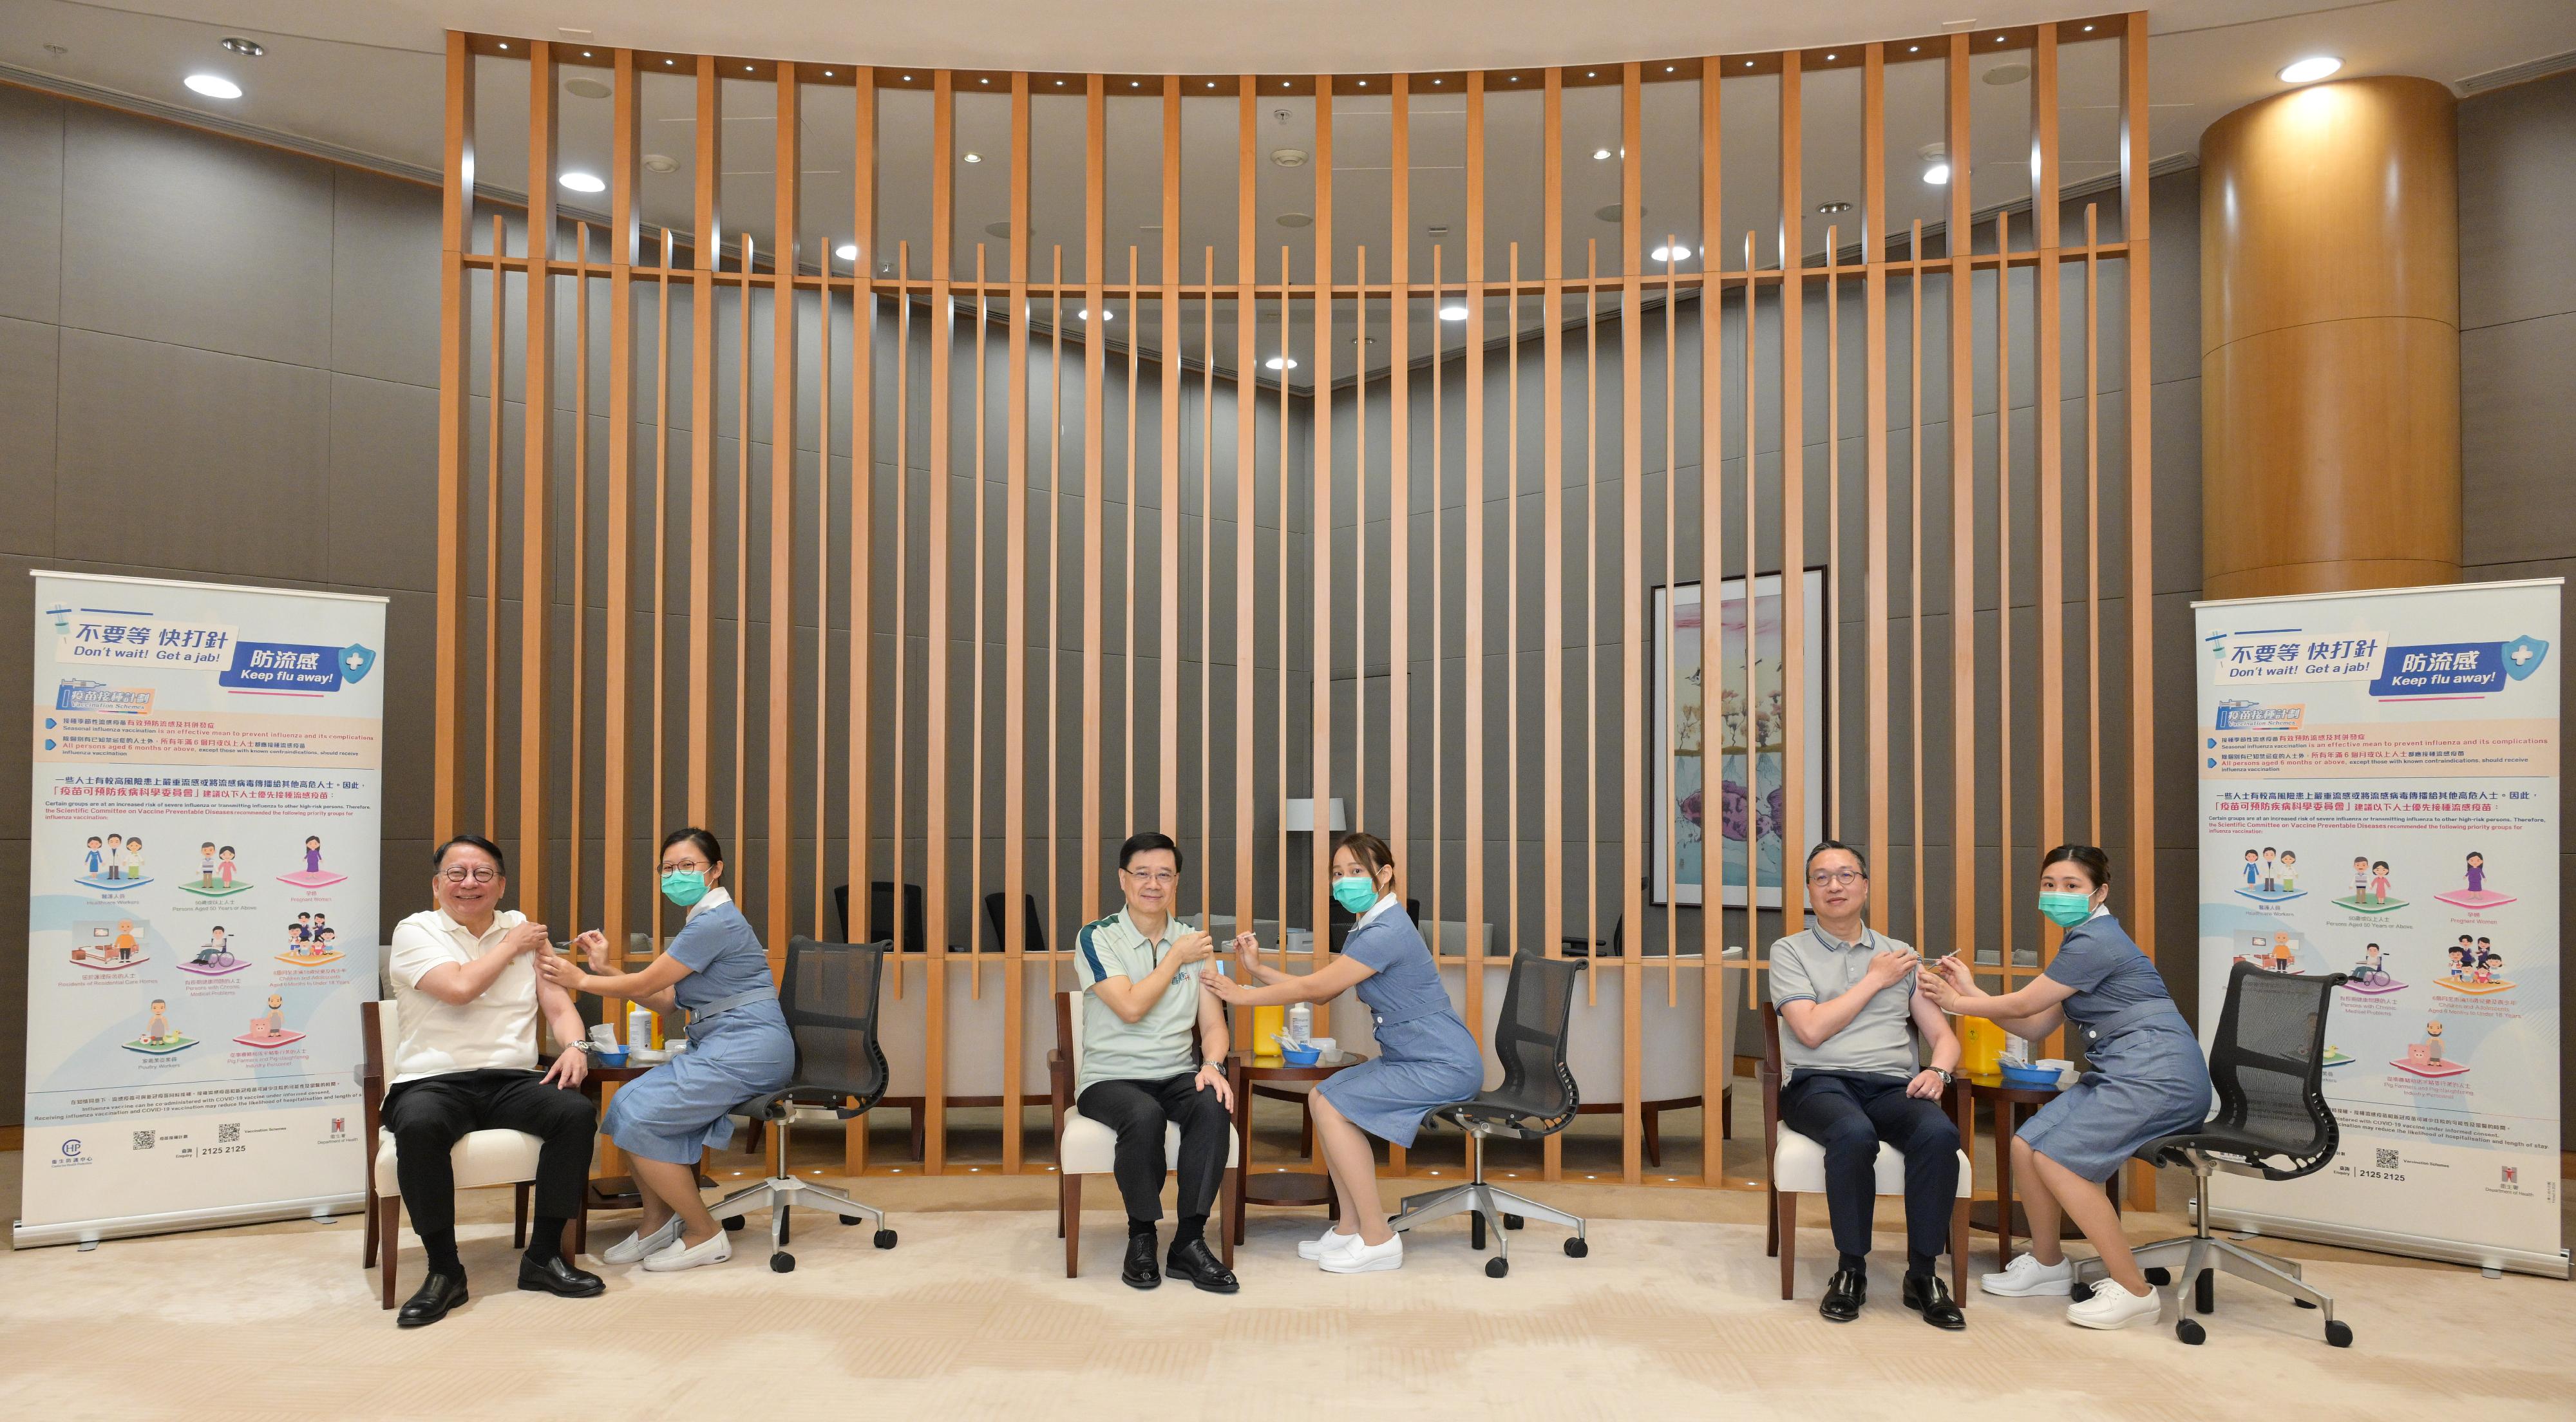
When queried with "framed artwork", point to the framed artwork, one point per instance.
{"points": [[1750, 752]]}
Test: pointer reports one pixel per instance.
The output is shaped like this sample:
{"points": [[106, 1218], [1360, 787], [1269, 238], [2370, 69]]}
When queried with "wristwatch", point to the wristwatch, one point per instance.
{"points": [[1947, 1079]]}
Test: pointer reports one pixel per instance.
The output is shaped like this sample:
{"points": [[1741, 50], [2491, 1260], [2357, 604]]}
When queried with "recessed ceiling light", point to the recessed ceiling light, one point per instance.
{"points": [[1364, 83], [1668, 69], [974, 157], [1937, 174], [1085, 314], [983, 81], [248, 49], [1748, 64], [1591, 74], [1830, 208], [847, 251], [2088, 29], [1211, 83], [2309, 70], [1600, 154], [1829, 59], [1671, 254], [2003, 74], [505, 44], [1913, 48], [587, 88], [827, 73], [1288, 157], [1453, 313], [1296, 219], [583, 182], [670, 62], [661, 163], [1281, 362], [214, 86], [585, 54]]}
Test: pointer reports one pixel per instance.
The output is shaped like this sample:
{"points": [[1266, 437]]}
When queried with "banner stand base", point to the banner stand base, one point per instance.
{"points": [[2489, 1260], [88, 1233]]}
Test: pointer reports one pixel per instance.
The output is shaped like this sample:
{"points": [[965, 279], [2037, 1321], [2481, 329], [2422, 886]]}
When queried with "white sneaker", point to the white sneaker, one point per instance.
{"points": [[2025, 1277], [2115, 1307], [680, 1254], [1365, 1258], [640, 1245], [1331, 1241]]}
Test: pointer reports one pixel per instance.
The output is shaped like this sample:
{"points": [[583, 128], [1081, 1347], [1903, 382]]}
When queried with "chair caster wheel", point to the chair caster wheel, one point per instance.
{"points": [[851, 1219], [1475, 1231], [734, 1224], [885, 1239], [1575, 1248], [2190, 1331], [1513, 1222], [782, 1263], [2159, 1277], [2303, 1303], [2079, 1291], [2338, 1333], [1497, 1268]]}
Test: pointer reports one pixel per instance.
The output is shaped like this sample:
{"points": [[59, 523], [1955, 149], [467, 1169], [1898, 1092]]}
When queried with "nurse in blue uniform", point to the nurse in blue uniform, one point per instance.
{"points": [[739, 1047], [2144, 1078], [1427, 1058]]}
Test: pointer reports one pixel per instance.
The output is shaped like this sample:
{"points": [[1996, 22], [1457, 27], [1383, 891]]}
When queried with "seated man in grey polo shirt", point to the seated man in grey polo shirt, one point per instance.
{"points": [[1846, 996], [1139, 969]]}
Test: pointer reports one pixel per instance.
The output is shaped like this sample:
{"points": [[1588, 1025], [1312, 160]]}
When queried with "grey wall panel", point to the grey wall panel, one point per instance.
{"points": [[384, 278], [29, 386], [382, 495], [2517, 203], [31, 204]]}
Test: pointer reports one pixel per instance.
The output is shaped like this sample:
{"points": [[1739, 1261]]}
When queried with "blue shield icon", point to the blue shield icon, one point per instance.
{"points": [[2523, 655], [355, 662]]}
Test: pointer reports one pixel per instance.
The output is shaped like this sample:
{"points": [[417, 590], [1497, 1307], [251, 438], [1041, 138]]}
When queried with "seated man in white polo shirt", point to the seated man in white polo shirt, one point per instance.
{"points": [[1139, 969], [468, 994], [1847, 997]]}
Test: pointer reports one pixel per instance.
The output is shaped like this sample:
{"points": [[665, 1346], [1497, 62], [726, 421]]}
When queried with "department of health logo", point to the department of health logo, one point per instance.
{"points": [[72, 1147], [72, 1152]]}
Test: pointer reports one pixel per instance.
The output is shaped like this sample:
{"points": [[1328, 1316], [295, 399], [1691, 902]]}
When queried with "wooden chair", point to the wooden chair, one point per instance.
{"points": [[483, 1158], [1798, 1168], [1086, 1147]]}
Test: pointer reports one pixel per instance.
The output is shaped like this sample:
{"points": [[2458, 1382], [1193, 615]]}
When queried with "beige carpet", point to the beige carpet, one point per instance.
{"points": [[972, 1316]]}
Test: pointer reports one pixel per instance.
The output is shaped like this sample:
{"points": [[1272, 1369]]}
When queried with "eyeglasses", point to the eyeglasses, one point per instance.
{"points": [[685, 866], [479, 874], [1835, 878], [1156, 877]]}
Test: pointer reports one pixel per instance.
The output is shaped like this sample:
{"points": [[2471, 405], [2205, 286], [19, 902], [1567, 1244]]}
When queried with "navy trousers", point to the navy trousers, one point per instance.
{"points": [[1849, 1116]]}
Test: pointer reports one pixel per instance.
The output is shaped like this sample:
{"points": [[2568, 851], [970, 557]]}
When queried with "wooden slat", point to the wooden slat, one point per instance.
{"points": [[1963, 528], [455, 426], [1094, 176], [780, 753], [625, 181], [2052, 458], [2138, 384], [1015, 643], [536, 491], [1793, 500], [709, 238], [936, 789], [1717, 1071], [860, 696], [1873, 187], [1168, 553], [1632, 660]]}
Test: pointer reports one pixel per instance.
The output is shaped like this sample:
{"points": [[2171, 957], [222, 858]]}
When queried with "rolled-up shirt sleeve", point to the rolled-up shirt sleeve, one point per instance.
{"points": [[414, 951]]}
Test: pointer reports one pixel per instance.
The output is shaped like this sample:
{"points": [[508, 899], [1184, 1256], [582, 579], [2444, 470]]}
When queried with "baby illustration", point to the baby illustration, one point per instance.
{"points": [[158, 1029]]}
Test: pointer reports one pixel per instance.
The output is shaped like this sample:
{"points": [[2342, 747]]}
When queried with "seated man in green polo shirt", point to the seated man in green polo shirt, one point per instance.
{"points": [[1139, 972]]}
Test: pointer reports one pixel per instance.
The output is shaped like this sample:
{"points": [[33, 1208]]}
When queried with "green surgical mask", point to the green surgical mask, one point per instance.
{"points": [[2065, 910], [1355, 894], [684, 886]]}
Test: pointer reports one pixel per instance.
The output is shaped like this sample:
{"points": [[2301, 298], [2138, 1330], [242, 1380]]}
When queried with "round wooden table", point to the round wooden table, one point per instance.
{"points": [[1290, 1189], [2004, 1218]]}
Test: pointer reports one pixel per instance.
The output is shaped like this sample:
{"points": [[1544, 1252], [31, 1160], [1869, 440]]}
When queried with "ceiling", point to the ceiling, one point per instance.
{"points": [[365, 79]]}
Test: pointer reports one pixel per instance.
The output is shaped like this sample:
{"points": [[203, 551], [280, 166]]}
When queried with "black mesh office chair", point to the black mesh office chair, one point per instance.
{"points": [[2268, 1064], [1036, 926], [1537, 1099], [881, 914], [830, 999]]}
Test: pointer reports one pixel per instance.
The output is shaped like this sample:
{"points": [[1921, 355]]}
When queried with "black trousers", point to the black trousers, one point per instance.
{"points": [[1849, 1116], [429, 1116], [1138, 1111]]}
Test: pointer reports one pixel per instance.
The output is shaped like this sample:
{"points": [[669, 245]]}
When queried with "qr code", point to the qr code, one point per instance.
{"points": [[143, 1139], [227, 1133], [2388, 1160]]}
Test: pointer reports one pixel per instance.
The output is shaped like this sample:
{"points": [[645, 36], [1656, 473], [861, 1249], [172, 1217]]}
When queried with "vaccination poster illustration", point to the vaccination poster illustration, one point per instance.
{"points": [[202, 917], [2379, 797]]}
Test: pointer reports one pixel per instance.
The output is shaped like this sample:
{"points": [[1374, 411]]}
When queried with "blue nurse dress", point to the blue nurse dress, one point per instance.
{"points": [[739, 1045], [1427, 1058], [2144, 1075]]}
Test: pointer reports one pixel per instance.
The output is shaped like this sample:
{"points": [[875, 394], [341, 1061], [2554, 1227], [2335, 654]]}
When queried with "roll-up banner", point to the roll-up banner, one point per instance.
{"points": [[2379, 797], [201, 911]]}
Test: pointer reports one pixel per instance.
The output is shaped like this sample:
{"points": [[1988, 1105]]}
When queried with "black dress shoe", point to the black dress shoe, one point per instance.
{"points": [[1139, 1271], [1844, 1294], [438, 1293], [552, 1275], [1928, 1296], [1197, 1263]]}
